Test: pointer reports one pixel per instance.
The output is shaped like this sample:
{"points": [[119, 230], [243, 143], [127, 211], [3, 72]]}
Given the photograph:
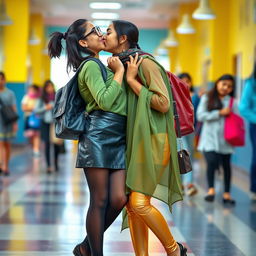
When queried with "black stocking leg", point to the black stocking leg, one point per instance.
{"points": [[98, 182], [117, 200]]}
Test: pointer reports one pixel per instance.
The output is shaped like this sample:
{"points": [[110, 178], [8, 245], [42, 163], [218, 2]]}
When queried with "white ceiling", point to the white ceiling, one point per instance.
{"points": [[144, 13]]}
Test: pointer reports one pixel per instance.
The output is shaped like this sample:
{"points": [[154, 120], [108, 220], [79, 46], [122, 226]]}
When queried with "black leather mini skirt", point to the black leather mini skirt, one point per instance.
{"points": [[103, 144]]}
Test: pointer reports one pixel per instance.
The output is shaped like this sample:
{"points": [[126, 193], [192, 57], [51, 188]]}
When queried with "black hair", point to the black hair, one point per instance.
{"points": [[44, 92], [2, 74], [35, 87], [123, 27], [187, 75], [214, 101], [75, 52]]}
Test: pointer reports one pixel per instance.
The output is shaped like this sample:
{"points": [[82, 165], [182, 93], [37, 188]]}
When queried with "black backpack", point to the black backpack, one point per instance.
{"points": [[69, 108]]}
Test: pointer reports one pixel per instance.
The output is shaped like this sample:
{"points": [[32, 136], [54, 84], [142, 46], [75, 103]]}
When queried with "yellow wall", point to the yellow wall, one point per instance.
{"points": [[242, 33], [36, 51], [217, 41], [15, 41]]}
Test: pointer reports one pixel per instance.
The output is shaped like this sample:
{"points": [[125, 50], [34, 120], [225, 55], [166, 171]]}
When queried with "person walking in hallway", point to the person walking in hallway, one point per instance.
{"points": [[152, 165], [101, 149], [7, 131], [28, 104], [212, 110], [189, 140], [247, 108], [44, 107]]}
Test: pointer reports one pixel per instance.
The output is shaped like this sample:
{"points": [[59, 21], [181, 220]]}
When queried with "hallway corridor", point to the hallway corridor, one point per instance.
{"points": [[44, 214]]}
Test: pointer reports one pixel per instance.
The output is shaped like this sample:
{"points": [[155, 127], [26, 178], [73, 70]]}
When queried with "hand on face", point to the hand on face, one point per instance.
{"points": [[115, 64], [133, 66]]}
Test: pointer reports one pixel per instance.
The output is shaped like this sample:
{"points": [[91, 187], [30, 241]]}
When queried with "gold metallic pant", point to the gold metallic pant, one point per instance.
{"points": [[141, 216]]}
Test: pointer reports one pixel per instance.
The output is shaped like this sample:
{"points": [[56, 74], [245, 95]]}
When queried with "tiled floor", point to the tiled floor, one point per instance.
{"points": [[44, 214]]}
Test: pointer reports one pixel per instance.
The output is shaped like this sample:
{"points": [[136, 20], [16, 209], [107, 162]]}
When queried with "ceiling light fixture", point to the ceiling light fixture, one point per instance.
{"points": [[161, 50], [105, 15], [170, 41], [105, 5], [185, 27], [4, 18], [33, 39], [204, 11]]}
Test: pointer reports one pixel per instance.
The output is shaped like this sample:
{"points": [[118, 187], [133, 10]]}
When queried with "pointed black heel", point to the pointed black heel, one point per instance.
{"points": [[77, 251], [183, 250]]}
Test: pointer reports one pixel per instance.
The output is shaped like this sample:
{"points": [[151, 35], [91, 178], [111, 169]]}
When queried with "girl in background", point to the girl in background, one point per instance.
{"points": [[189, 140], [7, 131], [212, 110], [28, 105], [44, 108], [248, 110]]}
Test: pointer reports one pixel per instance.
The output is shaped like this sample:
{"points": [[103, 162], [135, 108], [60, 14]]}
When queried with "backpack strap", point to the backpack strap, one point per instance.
{"points": [[102, 67]]}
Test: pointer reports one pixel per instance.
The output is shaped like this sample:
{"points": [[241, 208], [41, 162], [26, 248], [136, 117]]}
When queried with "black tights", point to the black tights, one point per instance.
{"points": [[214, 160], [107, 199]]}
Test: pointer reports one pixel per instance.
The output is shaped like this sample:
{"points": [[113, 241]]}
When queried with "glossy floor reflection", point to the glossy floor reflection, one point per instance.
{"points": [[44, 214]]}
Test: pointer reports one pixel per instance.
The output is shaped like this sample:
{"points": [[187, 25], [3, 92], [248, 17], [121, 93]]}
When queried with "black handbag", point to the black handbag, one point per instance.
{"points": [[69, 107], [183, 155], [8, 114]]}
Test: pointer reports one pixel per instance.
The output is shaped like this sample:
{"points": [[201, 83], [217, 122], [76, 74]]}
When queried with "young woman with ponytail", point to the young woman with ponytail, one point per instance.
{"points": [[101, 149], [152, 165]]}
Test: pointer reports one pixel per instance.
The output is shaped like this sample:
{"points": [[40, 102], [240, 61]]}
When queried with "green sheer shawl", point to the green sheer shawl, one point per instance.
{"points": [[152, 164]]}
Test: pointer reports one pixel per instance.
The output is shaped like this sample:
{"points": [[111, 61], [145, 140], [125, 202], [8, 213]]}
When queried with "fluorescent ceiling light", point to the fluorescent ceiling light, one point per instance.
{"points": [[105, 15], [104, 5], [101, 23]]}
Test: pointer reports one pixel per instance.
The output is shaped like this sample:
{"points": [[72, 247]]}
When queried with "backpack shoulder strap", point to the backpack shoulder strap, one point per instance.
{"points": [[102, 67]]}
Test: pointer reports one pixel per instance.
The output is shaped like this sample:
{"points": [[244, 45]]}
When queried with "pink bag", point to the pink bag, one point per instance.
{"points": [[234, 128]]}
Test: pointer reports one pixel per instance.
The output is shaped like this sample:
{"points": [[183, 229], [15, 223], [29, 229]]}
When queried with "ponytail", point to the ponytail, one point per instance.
{"points": [[55, 45], [76, 54]]}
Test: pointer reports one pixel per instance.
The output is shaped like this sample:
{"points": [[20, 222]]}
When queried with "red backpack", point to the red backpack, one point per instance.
{"points": [[185, 109], [182, 102]]}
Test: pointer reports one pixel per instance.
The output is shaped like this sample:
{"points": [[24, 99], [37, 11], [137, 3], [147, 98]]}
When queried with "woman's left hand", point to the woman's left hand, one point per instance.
{"points": [[132, 67]]}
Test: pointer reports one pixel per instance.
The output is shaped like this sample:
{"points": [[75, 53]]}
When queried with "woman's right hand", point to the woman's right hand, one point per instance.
{"points": [[48, 106], [115, 64], [225, 111]]}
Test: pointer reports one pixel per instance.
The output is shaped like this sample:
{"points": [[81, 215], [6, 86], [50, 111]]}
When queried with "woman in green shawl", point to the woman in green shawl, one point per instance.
{"points": [[152, 165]]}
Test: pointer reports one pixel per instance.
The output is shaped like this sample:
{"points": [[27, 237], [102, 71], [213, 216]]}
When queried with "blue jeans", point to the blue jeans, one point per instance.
{"points": [[253, 164]]}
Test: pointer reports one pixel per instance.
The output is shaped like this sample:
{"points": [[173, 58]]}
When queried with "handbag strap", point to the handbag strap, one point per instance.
{"points": [[177, 123], [231, 102], [176, 119]]}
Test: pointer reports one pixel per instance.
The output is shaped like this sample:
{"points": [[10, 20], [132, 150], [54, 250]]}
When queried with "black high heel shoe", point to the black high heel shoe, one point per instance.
{"points": [[183, 250], [77, 251]]}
